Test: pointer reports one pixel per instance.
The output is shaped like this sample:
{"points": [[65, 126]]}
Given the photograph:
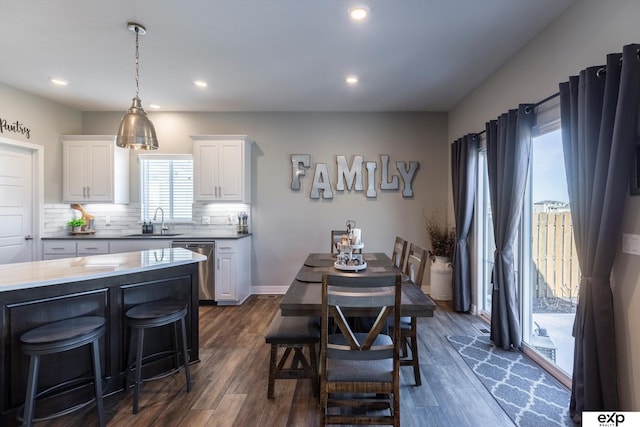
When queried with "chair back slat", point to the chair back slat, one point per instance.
{"points": [[399, 253], [416, 264], [366, 297], [342, 293]]}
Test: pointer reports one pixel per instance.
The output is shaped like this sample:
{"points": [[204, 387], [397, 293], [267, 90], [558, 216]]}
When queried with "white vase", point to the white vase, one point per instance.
{"points": [[441, 273]]}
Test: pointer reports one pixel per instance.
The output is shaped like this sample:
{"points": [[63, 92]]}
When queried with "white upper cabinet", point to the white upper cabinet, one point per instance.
{"points": [[222, 168], [94, 170]]}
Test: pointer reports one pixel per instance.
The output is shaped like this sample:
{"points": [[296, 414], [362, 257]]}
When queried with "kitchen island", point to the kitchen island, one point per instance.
{"points": [[37, 293]]}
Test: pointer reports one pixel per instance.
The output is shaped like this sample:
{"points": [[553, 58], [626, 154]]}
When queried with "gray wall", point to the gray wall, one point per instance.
{"points": [[287, 224], [581, 37], [47, 121]]}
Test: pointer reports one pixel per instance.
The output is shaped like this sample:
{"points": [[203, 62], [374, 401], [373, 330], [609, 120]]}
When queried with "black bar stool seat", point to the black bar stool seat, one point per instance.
{"points": [[152, 315], [58, 337]]}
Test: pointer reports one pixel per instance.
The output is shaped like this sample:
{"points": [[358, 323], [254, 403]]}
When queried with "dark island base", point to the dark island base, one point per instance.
{"points": [[111, 297]]}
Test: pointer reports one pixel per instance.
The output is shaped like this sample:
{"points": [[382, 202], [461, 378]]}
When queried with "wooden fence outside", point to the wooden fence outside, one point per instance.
{"points": [[556, 271]]}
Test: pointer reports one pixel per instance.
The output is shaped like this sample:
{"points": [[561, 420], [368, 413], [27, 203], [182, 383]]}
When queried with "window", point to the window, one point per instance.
{"points": [[166, 181]]}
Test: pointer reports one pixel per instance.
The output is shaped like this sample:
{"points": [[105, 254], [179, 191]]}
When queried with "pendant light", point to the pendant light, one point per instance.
{"points": [[136, 130]]}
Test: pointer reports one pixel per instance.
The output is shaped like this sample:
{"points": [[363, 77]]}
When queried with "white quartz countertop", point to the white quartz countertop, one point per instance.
{"points": [[34, 274], [198, 236]]}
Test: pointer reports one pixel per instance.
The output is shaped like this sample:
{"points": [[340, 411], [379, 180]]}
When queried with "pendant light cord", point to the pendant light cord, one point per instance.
{"points": [[137, 65]]}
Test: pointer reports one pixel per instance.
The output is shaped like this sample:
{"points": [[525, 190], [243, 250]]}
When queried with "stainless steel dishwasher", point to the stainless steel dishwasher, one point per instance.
{"points": [[207, 268]]}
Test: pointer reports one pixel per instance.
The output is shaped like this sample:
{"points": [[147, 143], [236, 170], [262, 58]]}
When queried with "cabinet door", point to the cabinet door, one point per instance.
{"points": [[205, 168], [222, 168], [74, 172], [134, 245], [99, 174], [88, 166], [55, 249], [225, 277], [230, 171], [93, 247]]}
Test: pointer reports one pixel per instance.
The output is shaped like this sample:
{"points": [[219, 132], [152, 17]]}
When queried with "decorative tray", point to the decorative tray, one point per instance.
{"points": [[345, 267], [73, 233]]}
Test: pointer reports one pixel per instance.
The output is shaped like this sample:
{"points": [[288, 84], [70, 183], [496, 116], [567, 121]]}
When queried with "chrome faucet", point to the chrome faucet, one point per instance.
{"points": [[163, 227]]}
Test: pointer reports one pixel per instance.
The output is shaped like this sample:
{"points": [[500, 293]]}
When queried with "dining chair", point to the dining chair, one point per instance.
{"points": [[399, 253], [336, 236], [360, 369], [416, 263]]}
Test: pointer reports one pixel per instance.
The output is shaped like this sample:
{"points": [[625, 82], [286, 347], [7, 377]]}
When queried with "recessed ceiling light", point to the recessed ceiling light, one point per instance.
{"points": [[154, 106], [200, 83], [58, 82], [351, 80], [359, 12]]}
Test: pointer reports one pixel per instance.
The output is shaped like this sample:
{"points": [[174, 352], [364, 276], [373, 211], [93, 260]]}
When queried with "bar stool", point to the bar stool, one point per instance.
{"points": [[57, 337], [293, 333], [153, 315]]}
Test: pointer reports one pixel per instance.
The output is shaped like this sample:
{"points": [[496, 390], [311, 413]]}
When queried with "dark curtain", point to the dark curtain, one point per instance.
{"points": [[464, 172], [599, 113], [508, 158]]}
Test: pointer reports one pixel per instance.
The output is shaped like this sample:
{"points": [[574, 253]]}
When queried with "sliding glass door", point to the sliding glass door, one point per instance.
{"points": [[546, 262], [553, 276], [485, 243]]}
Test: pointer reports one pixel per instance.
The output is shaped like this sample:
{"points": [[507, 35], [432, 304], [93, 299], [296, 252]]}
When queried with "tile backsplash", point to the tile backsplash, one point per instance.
{"points": [[112, 219]]}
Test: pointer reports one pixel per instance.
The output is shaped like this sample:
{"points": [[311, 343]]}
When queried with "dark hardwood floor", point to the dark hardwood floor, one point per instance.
{"points": [[230, 382]]}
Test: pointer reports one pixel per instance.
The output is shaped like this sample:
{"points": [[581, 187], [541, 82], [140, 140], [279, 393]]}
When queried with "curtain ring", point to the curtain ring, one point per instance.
{"points": [[601, 72], [527, 109]]}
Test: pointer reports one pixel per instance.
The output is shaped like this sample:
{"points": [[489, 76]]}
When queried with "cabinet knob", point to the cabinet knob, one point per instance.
{"points": [[28, 237]]}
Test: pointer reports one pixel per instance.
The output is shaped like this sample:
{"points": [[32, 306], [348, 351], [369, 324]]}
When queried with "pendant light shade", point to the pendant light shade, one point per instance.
{"points": [[136, 130]]}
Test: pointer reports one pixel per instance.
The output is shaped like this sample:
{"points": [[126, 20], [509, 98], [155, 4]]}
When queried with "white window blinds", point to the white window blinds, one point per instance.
{"points": [[166, 181]]}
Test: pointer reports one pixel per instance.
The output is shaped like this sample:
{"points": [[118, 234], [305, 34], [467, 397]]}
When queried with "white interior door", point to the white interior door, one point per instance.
{"points": [[17, 231]]}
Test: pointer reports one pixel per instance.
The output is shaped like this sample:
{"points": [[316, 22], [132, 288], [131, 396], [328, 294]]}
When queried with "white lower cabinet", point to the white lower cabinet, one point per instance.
{"points": [[92, 247], [133, 245], [55, 249], [233, 271]]}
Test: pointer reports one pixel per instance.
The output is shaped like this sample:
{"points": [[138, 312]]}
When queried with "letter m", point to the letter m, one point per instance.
{"points": [[349, 174]]}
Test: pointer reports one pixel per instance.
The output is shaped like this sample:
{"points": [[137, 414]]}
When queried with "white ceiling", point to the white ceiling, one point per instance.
{"points": [[264, 55]]}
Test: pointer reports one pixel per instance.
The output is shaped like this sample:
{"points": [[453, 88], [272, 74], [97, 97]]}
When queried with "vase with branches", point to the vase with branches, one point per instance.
{"points": [[443, 242], [441, 234]]}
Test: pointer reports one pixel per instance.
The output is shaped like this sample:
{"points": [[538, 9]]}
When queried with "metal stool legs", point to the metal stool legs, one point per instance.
{"points": [[59, 337], [149, 316]]}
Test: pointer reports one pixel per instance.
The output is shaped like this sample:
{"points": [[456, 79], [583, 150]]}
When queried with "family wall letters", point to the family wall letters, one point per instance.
{"points": [[350, 177]]}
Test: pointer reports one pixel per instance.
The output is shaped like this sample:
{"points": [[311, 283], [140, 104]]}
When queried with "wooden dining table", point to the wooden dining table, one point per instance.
{"points": [[304, 296]]}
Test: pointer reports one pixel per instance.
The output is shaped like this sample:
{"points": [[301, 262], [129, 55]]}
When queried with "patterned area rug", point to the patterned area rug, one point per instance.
{"points": [[528, 394]]}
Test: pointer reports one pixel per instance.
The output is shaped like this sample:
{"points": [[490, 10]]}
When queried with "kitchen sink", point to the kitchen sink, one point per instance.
{"points": [[152, 235]]}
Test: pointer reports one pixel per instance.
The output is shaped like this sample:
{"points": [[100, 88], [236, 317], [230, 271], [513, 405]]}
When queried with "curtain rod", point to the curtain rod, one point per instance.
{"points": [[547, 99]]}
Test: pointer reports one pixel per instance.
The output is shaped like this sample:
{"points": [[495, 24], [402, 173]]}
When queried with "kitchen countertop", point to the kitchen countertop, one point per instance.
{"points": [[187, 235], [25, 275]]}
